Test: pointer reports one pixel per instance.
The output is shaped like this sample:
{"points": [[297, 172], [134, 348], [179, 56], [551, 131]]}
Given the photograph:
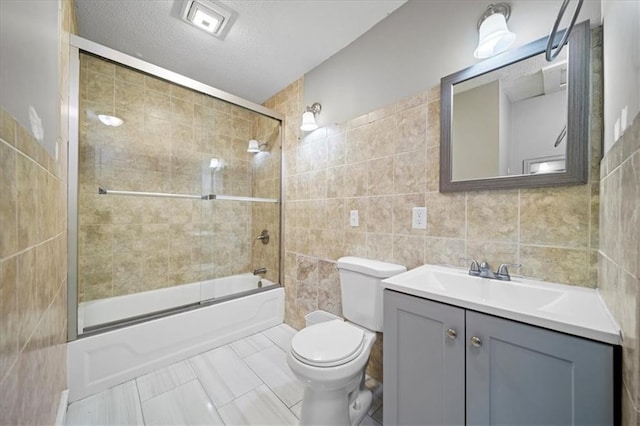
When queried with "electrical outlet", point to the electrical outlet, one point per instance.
{"points": [[419, 218], [353, 218]]}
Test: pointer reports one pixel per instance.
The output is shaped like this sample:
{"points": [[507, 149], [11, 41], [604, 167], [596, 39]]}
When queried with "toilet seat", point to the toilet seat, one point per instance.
{"points": [[328, 344]]}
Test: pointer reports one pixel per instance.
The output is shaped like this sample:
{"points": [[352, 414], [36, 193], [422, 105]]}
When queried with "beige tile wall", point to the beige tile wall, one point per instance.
{"points": [[619, 256], [33, 262], [169, 135], [386, 162], [266, 178]]}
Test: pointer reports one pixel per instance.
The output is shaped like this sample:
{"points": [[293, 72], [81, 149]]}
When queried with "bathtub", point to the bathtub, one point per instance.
{"points": [[118, 308], [101, 361]]}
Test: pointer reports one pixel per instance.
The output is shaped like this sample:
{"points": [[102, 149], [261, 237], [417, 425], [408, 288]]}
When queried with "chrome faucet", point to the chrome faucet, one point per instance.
{"points": [[259, 271], [484, 270]]}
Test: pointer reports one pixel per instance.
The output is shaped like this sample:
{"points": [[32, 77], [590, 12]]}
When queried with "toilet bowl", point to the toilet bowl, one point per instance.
{"points": [[330, 358]]}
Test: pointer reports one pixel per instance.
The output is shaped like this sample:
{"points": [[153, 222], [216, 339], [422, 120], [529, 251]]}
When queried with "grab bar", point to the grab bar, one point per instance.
{"points": [[550, 54], [103, 191]]}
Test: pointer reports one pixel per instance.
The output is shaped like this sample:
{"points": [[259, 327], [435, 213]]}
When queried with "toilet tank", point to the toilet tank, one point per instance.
{"points": [[361, 288]]}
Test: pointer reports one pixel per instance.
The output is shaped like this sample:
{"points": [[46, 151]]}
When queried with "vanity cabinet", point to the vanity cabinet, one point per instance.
{"points": [[445, 365]]}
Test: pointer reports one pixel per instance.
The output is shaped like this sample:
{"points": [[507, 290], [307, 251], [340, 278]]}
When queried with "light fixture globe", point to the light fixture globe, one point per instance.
{"points": [[308, 122], [494, 35], [110, 120], [309, 117], [254, 146]]}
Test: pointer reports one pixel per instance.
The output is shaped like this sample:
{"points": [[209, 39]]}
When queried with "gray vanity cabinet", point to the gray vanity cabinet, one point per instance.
{"points": [[424, 350], [495, 371]]}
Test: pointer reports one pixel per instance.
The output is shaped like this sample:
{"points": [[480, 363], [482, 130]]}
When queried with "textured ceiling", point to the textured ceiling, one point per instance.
{"points": [[271, 43]]}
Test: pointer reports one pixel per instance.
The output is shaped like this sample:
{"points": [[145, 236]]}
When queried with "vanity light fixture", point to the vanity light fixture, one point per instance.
{"points": [[208, 16], [255, 146], [309, 117], [215, 164], [110, 120], [494, 35]]}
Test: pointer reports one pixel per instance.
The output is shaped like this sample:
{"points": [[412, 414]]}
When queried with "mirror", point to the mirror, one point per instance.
{"points": [[517, 121]]}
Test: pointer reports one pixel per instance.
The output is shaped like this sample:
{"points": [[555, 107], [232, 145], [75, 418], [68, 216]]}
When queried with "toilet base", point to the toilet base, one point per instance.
{"points": [[325, 408], [360, 406], [335, 408]]}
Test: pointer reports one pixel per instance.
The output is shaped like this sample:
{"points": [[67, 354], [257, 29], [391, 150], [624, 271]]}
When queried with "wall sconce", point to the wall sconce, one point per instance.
{"points": [[494, 35], [309, 117], [255, 146], [215, 164]]}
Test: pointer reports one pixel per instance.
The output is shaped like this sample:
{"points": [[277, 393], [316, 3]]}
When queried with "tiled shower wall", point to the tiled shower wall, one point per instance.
{"points": [[266, 183], [619, 256], [386, 162], [169, 135], [33, 262]]}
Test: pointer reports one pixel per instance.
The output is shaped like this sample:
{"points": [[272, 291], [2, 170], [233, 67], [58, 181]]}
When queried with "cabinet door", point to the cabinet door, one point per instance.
{"points": [[423, 362], [519, 374]]}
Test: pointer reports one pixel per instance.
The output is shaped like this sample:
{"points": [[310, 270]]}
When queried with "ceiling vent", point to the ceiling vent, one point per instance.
{"points": [[208, 16]]}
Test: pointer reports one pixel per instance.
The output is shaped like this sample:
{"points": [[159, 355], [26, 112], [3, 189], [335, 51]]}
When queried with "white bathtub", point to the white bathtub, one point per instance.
{"points": [[98, 362], [110, 309]]}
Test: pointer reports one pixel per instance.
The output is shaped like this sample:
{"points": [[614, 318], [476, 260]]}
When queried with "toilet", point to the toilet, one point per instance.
{"points": [[330, 358]]}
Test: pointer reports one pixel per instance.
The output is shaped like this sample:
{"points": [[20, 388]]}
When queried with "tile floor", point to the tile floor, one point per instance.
{"points": [[247, 382]]}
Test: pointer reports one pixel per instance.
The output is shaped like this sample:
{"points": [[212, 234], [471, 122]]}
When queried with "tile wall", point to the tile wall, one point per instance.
{"points": [[169, 135], [266, 179], [33, 262], [619, 256], [386, 162]]}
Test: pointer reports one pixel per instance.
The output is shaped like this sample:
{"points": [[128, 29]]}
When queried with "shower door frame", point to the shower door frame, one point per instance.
{"points": [[78, 44]]}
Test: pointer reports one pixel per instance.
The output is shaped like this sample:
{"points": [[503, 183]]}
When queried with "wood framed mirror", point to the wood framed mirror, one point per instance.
{"points": [[517, 121]]}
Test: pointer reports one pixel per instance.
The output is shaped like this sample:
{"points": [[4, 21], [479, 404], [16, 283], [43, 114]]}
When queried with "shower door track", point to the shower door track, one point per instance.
{"points": [[114, 325]]}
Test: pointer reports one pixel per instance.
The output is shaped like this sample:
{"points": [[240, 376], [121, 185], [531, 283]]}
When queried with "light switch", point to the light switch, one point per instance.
{"points": [[354, 220]]}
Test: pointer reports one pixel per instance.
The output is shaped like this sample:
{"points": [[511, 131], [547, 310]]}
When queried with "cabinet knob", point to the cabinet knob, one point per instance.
{"points": [[475, 341], [451, 333]]}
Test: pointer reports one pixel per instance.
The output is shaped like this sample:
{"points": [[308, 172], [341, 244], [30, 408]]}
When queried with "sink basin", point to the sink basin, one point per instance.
{"points": [[513, 293], [569, 309]]}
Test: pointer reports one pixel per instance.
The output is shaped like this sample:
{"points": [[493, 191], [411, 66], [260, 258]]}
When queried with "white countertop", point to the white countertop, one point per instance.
{"points": [[573, 310]]}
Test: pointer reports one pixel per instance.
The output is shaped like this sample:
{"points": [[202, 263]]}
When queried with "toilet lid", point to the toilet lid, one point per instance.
{"points": [[327, 344]]}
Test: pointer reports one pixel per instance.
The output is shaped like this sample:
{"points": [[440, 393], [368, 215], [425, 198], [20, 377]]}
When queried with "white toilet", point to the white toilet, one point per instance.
{"points": [[330, 358]]}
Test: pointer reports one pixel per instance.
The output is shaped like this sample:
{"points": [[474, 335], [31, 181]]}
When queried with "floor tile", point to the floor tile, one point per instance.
{"points": [[119, 405], [224, 375], [258, 407], [165, 379], [250, 345], [187, 404], [297, 409], [377, 415], [271, 366], [281, 335], [368, 421]]}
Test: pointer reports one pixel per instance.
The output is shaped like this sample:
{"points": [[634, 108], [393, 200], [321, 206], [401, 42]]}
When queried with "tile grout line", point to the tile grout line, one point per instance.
{"points": [[135, 382]]}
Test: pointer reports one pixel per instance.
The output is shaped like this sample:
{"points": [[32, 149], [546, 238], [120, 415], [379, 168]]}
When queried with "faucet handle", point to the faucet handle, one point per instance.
{"points": [[503, 272], [474, 269]]}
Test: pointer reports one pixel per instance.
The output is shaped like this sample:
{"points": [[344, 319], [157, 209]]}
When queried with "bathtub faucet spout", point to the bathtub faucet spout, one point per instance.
{"points": [[260, 271]]}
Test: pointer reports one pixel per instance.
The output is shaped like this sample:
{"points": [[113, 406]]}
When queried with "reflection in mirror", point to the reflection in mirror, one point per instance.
{"points": [[517, 121], [511, 121]]}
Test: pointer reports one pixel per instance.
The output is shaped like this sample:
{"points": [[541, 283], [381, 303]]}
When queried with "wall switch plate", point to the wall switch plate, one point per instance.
{"points": [[354, 220], [419, 218]]}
